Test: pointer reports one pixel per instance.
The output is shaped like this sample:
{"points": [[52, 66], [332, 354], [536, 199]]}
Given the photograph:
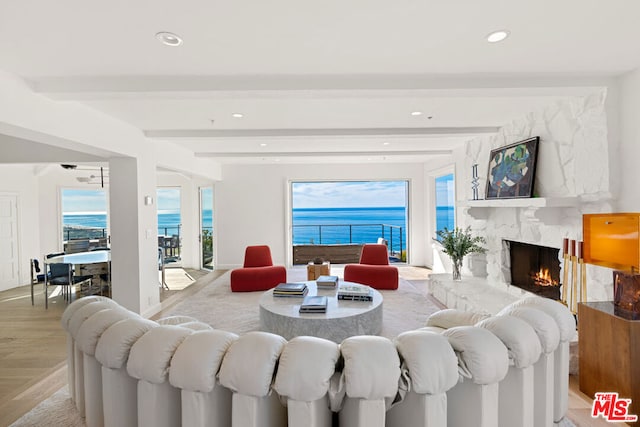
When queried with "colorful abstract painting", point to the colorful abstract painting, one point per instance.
{"points": [[512, 170]]}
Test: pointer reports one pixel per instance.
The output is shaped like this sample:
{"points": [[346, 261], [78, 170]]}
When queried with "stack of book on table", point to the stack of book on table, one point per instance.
{"points": [[290, 290], [327, 282], [314, 304], [355, 292]]}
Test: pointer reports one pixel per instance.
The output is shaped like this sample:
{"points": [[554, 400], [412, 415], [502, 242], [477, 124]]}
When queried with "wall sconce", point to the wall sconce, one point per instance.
{"points": [[148, 200]]}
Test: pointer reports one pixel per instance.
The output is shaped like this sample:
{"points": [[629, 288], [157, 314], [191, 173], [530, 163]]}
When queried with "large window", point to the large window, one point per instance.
{"points": [[344, 212], [84, 214], [445, 202]]}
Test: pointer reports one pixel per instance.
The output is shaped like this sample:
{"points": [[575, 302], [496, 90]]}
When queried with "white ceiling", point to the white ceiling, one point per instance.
{"points": [[330, 81]]}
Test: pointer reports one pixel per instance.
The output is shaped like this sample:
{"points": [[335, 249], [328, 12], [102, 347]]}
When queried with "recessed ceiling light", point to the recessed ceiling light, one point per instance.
{"points": [[264, 144], [416, 113], [498, 36], [237, 115], [386, 143], [168, 38]]}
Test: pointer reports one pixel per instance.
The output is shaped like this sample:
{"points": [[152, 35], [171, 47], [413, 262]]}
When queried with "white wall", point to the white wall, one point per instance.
{"points": [[19, 180], [629, 167], [251, 205]]}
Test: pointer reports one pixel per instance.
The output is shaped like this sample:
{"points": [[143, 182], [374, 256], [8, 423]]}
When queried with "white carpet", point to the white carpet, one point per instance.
{"points": [[404, 309], [58, 410]]}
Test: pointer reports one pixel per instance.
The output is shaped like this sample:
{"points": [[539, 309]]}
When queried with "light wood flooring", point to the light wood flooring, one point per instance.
{"points": [[32, 348]]}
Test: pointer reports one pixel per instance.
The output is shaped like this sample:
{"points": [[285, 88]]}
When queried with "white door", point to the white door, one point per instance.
{"points": [[9, 260]]}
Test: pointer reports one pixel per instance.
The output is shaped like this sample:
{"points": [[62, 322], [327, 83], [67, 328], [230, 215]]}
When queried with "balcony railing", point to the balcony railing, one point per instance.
{"points": [[329, 234], [170, 235]]}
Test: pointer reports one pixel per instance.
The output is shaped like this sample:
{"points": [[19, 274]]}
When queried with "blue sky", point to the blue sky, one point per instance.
{"points": [[168, 199], [349, 194], [305, 195], [94, 201]]}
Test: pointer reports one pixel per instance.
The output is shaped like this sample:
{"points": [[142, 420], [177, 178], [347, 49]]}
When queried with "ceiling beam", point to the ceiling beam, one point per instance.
{"points": [[244, 133], [326, 154]]}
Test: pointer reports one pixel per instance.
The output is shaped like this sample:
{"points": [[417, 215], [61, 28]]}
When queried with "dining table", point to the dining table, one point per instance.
{"points": [[75, 259]]}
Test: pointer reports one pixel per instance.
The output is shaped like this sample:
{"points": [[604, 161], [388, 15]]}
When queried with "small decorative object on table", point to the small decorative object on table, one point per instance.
{"points": [[317, 268], [458, 243]]}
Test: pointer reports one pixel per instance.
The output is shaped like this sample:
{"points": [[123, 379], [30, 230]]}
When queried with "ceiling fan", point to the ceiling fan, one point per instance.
{"points": [[98, 178]]}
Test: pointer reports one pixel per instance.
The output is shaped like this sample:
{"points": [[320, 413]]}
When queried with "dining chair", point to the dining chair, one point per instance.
{"points": [[61, 274]]}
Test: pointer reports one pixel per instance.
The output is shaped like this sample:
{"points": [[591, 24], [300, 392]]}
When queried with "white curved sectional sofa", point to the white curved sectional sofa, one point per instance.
{"points": [[462, 369]]}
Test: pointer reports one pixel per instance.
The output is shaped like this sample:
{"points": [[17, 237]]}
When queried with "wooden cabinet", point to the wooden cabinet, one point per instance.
{"points": [[609, 352], [612, 240]]}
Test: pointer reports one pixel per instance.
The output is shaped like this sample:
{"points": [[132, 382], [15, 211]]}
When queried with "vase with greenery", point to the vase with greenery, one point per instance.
{"points": [[458, 243]]}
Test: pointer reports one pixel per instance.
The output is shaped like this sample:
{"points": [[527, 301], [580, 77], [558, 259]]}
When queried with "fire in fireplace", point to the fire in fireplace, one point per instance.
{"points": [[535, 268]]}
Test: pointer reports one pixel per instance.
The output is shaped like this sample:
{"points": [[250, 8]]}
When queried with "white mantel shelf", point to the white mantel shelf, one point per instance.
{"points": [[535, 209], [534, 202]]}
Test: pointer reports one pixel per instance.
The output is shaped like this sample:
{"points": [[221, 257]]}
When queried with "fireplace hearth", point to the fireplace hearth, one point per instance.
{"points": [[535, 268]]}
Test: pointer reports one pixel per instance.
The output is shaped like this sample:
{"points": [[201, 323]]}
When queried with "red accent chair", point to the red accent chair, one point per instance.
{"points": [[258, 273], [374, 269]]}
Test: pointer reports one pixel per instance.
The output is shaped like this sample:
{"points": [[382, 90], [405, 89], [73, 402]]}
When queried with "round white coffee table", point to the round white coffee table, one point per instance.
{"points": [[343, 319]]}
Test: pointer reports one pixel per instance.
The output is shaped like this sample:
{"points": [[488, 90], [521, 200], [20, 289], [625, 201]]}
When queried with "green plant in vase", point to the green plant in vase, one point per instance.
{"points": [[458, 243]]}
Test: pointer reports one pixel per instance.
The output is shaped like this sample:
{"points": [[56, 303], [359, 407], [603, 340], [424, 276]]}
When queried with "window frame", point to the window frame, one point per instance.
{"points": [[433, 176]]}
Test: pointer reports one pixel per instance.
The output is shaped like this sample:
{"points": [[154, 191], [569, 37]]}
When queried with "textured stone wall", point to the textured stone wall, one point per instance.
{"points": [[572, 162]]}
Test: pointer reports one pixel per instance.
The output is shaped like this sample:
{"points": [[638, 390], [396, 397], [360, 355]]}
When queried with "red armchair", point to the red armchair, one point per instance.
{"points": [[258, 272], [374, 269]]}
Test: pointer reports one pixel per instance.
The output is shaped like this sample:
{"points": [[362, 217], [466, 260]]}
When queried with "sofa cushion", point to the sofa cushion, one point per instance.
{"points": [[83, 313], [250, 362], [545, 327], [481, 355], [371, 367], [430, 361], [81, 302], [452, 317], [305, 368], [518, 336], [561, 314], [90, 331], [150, 356], [196, 361], [114, 345]]}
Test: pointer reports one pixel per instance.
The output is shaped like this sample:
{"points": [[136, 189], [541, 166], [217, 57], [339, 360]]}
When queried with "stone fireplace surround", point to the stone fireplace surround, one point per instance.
{"points": [[572, 178]]}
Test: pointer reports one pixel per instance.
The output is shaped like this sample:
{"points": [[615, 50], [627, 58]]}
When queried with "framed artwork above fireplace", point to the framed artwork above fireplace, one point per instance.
{"points": [[512, 170]]}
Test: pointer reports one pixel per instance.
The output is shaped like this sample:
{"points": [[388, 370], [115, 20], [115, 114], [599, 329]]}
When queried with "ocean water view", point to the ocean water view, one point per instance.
{"points": [[94, 224], [310, 225], [350, 225]]}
